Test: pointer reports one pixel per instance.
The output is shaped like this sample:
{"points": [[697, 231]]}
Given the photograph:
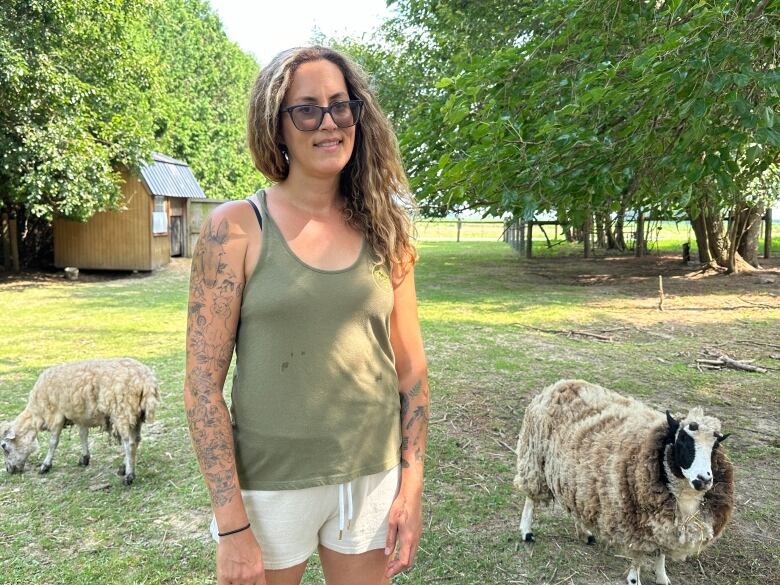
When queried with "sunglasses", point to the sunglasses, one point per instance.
{"points": [[308, 118]]}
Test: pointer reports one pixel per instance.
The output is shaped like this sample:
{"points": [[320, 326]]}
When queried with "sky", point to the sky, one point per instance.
{"points": [[265, 28]]}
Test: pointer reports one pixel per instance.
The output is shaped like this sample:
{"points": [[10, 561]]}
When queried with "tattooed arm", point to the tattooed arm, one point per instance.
{"points": [[406, 512], [216, 288]]}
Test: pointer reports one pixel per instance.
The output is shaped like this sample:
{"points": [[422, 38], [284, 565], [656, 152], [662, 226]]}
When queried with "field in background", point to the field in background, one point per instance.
{"points": [[497, 328], [663, 237]]}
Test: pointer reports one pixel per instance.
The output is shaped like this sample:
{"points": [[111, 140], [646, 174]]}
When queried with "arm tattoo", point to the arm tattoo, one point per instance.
{"points": [[214, 289], [414, 423]]}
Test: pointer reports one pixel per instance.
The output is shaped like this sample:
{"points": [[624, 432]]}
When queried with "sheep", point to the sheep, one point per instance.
{"points": [[644, 483], [115, 394]]}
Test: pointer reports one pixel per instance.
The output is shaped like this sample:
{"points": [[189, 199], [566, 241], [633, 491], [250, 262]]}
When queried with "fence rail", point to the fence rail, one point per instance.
{"points": [[459, 230]]}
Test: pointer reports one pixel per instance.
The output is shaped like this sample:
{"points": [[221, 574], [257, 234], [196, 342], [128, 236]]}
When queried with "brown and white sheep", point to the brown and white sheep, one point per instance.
{"points": [[643, 482], [118, 395]]}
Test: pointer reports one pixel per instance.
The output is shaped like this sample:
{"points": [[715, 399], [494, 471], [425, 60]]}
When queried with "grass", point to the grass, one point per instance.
{"points": [[482, 309]]}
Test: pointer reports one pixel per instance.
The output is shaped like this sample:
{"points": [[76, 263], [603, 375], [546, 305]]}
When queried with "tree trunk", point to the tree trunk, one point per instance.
{"points": [[712, 242], [601, 221], [748, 245], [620, 240], [640, 239], [717, 248]]}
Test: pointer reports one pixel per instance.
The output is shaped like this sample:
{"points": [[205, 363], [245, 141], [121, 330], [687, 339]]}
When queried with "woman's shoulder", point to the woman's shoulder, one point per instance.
{"points": [[228, 225], [234, 214]]}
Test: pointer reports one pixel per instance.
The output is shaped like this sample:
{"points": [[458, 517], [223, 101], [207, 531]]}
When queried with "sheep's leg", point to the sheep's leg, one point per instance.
{"points": [[633, 575], [84, 436], [54, 440], [660, 570], [526, 520], [130, 444], [589, 538]]}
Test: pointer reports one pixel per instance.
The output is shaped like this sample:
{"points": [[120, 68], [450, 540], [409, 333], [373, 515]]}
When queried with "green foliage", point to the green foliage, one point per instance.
{"points": [[200, 114], [73, 96], [572, 106], [89, 85]]}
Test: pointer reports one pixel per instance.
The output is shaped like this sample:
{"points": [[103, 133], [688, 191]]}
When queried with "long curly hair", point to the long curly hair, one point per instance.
{"points": [[374, 185]]}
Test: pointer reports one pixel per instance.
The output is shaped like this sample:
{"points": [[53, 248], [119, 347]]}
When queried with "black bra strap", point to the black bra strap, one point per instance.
{"points": [[257, 213]]}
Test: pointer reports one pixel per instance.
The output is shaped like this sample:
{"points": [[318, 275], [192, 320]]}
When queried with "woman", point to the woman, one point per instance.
{"points": [[312, 282]]}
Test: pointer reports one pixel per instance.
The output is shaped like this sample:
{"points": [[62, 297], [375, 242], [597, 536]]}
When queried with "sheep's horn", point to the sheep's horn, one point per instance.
{"points": [[673, 423]]}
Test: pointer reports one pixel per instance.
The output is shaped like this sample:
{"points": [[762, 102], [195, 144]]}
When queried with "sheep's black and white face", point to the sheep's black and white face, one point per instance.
{"points": [[695, 437], [16, 447]]}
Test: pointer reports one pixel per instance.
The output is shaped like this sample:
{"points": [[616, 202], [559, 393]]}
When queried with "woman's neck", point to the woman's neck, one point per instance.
{"points": [[313, 194]]}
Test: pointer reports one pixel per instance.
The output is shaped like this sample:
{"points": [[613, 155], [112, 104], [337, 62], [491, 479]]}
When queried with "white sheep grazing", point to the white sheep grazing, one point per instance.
{"points": [[115, 394], [643, 482]]}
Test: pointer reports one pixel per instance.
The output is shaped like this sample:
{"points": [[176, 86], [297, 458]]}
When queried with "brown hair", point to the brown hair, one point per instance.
{"points": [[373, 183]]}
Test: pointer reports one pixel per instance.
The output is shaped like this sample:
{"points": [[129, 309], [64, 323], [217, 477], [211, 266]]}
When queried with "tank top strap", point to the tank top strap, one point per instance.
{"points": [[257, 212]]}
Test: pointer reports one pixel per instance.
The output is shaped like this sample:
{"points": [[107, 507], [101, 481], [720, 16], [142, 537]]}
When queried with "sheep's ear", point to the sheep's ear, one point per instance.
{"points": [[10, 434], [673, 424]]}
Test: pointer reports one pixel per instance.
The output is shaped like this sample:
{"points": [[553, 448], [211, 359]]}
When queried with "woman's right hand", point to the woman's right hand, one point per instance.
{"points": [[239, 560]]}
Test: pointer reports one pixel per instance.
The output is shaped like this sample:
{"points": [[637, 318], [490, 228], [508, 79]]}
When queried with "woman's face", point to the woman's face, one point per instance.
{"points": [[324, 152]]}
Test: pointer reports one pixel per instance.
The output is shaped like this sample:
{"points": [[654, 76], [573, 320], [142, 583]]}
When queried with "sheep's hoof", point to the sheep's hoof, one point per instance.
{"points": [[128, 479], [529, 537], [84, 461], [44, 468], [121, 470], [591, 539]]}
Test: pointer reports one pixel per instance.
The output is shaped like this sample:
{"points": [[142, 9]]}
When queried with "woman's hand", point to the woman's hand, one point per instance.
{"points": [[404, 531], [239, 560]]}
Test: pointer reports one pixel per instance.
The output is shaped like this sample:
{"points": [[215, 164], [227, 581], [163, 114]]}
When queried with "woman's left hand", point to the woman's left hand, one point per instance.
{"points": [[405, 527]]}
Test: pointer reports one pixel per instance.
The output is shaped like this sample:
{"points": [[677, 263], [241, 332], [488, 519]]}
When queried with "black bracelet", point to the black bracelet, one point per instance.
{"points": [[229, 532]]}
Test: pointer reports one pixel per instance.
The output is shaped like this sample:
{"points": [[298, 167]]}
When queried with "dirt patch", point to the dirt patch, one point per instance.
{"points": [[622, 270], [34, 278]]}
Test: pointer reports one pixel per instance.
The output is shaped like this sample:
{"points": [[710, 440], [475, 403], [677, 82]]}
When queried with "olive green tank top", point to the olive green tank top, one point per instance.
{"points": [[315, 393]]}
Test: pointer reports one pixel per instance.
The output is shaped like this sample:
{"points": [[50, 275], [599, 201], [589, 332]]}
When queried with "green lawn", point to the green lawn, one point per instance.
{"points": [[482, 309]]}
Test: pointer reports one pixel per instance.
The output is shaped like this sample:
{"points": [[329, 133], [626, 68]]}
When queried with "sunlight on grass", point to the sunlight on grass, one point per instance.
{"points": [[496, 327]]}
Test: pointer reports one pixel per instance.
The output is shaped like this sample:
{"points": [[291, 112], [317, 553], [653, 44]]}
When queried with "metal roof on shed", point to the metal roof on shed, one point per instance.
{"points": [[171, 178]]}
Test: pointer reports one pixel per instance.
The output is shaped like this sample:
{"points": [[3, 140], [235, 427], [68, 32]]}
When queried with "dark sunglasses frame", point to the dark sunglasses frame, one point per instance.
{"points": [[326, 110]]}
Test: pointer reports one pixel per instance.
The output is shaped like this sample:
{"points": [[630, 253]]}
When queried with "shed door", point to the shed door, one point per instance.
{"points": [[176, 234]]}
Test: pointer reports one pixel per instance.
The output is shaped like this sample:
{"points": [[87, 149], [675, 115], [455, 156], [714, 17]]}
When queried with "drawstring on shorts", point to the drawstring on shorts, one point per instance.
{"points": [[341, 507]]}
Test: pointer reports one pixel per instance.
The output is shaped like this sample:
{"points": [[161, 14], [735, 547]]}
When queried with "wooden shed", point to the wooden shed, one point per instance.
{"points": [[151, 227]]}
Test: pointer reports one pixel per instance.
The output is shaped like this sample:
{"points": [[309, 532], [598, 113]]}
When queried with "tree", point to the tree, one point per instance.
{"points": [[73, 95], [585, 107], [90, 86], [87, 85], [200, 112]]}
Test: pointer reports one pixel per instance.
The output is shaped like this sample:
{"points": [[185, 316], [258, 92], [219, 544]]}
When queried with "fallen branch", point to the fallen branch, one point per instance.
{"points": [[589, 334], [737, 365], [719, 360], [660, 293], [568, 333], [758, 305], [504, 445]]}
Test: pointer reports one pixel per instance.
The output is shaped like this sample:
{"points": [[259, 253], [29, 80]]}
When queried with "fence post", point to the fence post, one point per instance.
{"points": [[457, 239], [586, 236], [529, 241], [768, 233], [520, 234]]}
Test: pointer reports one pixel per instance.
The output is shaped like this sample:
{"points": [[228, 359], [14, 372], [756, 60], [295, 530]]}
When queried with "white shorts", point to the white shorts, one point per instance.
{"points": [[350, 518]]}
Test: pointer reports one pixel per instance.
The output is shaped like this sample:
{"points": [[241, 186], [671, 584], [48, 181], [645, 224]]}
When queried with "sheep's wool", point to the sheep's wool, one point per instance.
{"points": [[596, 453]]}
